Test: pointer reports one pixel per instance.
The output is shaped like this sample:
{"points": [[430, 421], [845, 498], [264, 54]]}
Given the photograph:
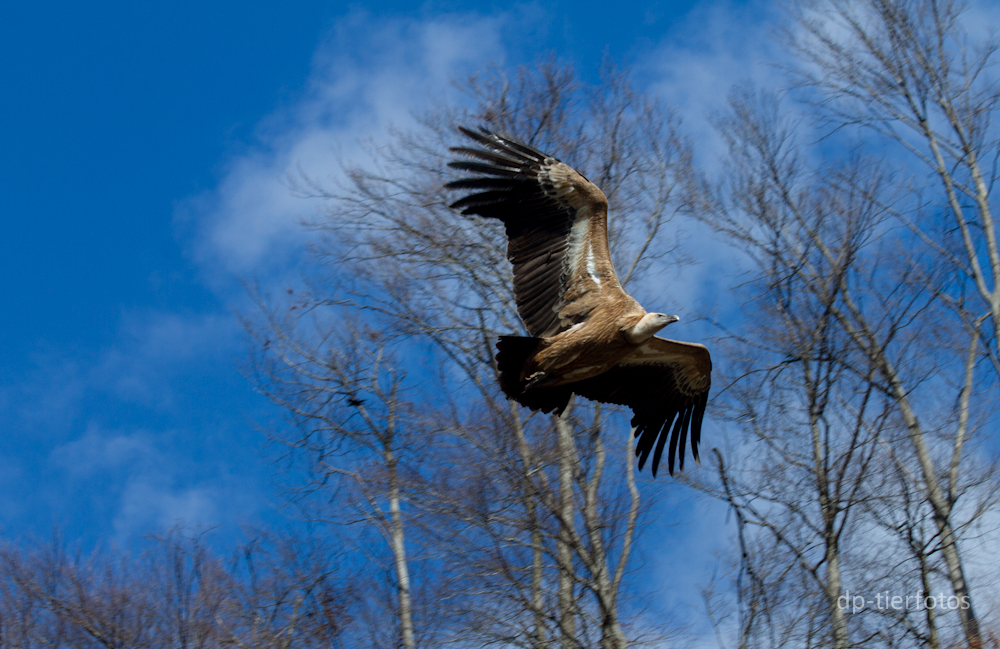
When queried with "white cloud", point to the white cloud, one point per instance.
{"points": [[686, 563], [94, 411], [150, 350], [92, 435], [370, 75], [153, 347], [98, 452], [717, 46], [148, 483], [150, 502]]}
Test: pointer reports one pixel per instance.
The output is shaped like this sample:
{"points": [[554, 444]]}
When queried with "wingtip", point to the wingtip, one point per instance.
{"points": [[480, 134]]}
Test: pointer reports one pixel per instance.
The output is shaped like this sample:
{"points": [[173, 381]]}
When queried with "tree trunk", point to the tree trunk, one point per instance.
{"points": [[567, 607], [399, 555], [530, 505], [942, 516], [611, 631], [932, 634], [828, 510]]}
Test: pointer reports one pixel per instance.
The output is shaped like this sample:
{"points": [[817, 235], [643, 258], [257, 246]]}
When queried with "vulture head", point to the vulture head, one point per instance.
{"points": [[649, 325]]}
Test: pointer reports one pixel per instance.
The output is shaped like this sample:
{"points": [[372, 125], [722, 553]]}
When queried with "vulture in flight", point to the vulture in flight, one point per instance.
{"points": [[588, 336]]}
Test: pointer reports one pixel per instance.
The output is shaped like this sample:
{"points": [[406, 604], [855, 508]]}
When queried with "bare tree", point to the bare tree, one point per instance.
{"points": [[843, 340], [907, 71], [352, 428], [531, 514], [175, 594], [95, 601], [286, 592], [813, 414]]}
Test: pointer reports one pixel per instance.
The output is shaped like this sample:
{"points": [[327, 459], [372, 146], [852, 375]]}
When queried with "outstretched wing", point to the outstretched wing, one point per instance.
{"points": [[666, 384], [556, 224]]}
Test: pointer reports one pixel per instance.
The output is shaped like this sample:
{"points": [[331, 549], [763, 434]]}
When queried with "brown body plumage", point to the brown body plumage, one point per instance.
{"points": [[588, 336]]}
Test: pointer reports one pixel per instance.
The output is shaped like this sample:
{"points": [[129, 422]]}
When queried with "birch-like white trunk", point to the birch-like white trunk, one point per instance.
{"points": [[828, 511], [612, 636], [564, 553], [537, 550], [941, 504], [941, 508], [399, 555], [931, 615]]}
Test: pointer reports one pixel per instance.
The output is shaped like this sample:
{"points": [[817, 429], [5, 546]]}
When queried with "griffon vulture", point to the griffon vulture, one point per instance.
{"points": [[589, 336]]}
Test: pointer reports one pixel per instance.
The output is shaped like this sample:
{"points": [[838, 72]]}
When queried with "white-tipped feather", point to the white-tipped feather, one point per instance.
{"points": [[591, 266]]}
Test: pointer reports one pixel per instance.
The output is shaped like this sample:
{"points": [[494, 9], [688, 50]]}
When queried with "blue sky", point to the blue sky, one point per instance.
{"points": [[121, 406], [144, 152]]}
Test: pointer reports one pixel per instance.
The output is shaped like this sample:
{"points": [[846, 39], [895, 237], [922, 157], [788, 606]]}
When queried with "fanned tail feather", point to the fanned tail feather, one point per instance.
{"points": [[512, 354]]}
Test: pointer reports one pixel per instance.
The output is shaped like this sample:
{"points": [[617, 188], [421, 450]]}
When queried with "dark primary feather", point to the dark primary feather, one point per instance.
{"points": [[538, 223], [662, 411]]}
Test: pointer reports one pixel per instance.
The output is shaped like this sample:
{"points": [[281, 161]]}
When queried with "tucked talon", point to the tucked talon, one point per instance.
{"points": [[536, 380]]}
